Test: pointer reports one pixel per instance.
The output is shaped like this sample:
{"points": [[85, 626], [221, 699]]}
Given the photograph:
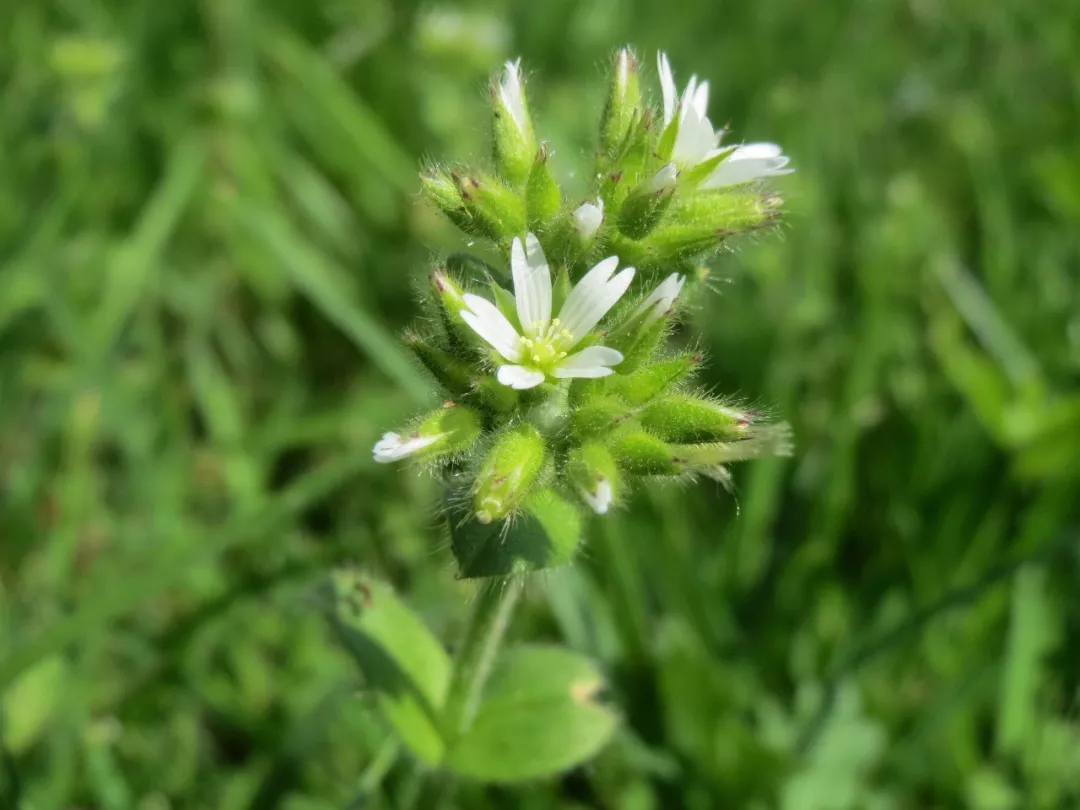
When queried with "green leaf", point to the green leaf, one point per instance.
{"points": [[403, 663], [27, 707], [539, 717], [543, 534]]}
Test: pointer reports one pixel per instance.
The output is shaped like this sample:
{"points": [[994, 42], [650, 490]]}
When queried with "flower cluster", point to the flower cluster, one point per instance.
{"points": [[561, 383]]}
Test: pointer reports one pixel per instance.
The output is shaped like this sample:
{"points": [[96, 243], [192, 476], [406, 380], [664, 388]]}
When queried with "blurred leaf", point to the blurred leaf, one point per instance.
{"points": [[402, 663], [539, 717], [1033, 633], [28, 704]]}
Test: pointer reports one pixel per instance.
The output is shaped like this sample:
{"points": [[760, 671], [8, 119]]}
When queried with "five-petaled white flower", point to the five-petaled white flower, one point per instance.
{"points": [[542, 349], [696, 140]]}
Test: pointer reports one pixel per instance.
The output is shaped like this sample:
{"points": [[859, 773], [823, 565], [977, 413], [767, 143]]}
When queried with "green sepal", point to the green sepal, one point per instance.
{"points": [[597, 414], [490, 392], [440, 186], [513, 147], [453, 375], [697, 173], [560, 288], [508, 473], [544, 532], [590, 467], [623, 171], [539, 717], [643, 210], [639, 345], [665, 144], [688, 419], [542, 196], [497, 212], [403, 664], [505, 303], [458, 426], [653, 379], [623, 102], [640, 453]]}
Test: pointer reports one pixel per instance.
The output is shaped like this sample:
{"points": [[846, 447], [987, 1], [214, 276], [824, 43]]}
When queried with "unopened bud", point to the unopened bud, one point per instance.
{"points": [[449, 430], [542, 192], [595, 476], [654, 378], [640, 453], [700, 222], [497, 212], [441, 188], [511, 468], [687, 419], [450, 301], [587, 220], [598, 414], [452, 374], [623, 101], [514, 143]]}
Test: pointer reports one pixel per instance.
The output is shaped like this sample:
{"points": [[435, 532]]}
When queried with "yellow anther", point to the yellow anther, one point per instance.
{"points": [[562, 355], [536, 358]]}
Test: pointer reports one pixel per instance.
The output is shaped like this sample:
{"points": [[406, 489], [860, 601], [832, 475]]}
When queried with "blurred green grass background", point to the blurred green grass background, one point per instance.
{"points": [[209, 237]]}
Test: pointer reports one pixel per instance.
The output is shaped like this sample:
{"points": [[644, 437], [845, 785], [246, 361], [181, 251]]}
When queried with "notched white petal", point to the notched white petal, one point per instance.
{"points": [[484, 318], [667, 86], [519, 377], [752, 161]]}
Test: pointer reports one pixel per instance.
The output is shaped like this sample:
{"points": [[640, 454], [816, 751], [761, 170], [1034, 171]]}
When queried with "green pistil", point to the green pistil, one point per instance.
{"points": [[545, 349]]}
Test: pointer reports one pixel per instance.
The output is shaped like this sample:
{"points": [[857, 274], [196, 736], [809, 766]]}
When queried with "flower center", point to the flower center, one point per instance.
{"points": [[548, 346]]}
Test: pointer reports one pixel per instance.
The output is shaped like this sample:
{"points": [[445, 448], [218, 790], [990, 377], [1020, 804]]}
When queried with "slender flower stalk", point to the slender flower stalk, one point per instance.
{"points": [[541, 350]]}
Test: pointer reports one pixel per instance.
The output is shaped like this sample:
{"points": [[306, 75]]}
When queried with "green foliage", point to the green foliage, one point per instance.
{"points": [[210, 239], [539, 717]]}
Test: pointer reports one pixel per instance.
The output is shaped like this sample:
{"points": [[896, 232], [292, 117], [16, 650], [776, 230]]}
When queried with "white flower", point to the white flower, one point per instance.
{"points": [[660, 301], [542, 349], [748, 162], [696, 141], [512, 96], [394, 446], [588, 218], [600, 498]]}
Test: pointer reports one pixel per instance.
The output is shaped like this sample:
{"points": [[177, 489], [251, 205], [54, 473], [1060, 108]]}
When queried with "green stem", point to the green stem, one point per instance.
{"points": [[484, 635]]}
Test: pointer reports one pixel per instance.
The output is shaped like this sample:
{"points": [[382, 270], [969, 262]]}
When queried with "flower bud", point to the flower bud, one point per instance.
{"points": [[682, 418], [595, 476], [700, 222], [441, 188], [646, 205], [623, 101], [448, 371], [514, 143], [598, 414], [655, 378], [587, 221], [511, 468], [642, 332], [640, 453], [542, 196], [497, 212], [450, 429], [450, 301]]}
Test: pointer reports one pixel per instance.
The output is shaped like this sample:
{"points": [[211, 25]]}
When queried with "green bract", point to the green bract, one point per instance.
{"points": [[561, 387]]}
